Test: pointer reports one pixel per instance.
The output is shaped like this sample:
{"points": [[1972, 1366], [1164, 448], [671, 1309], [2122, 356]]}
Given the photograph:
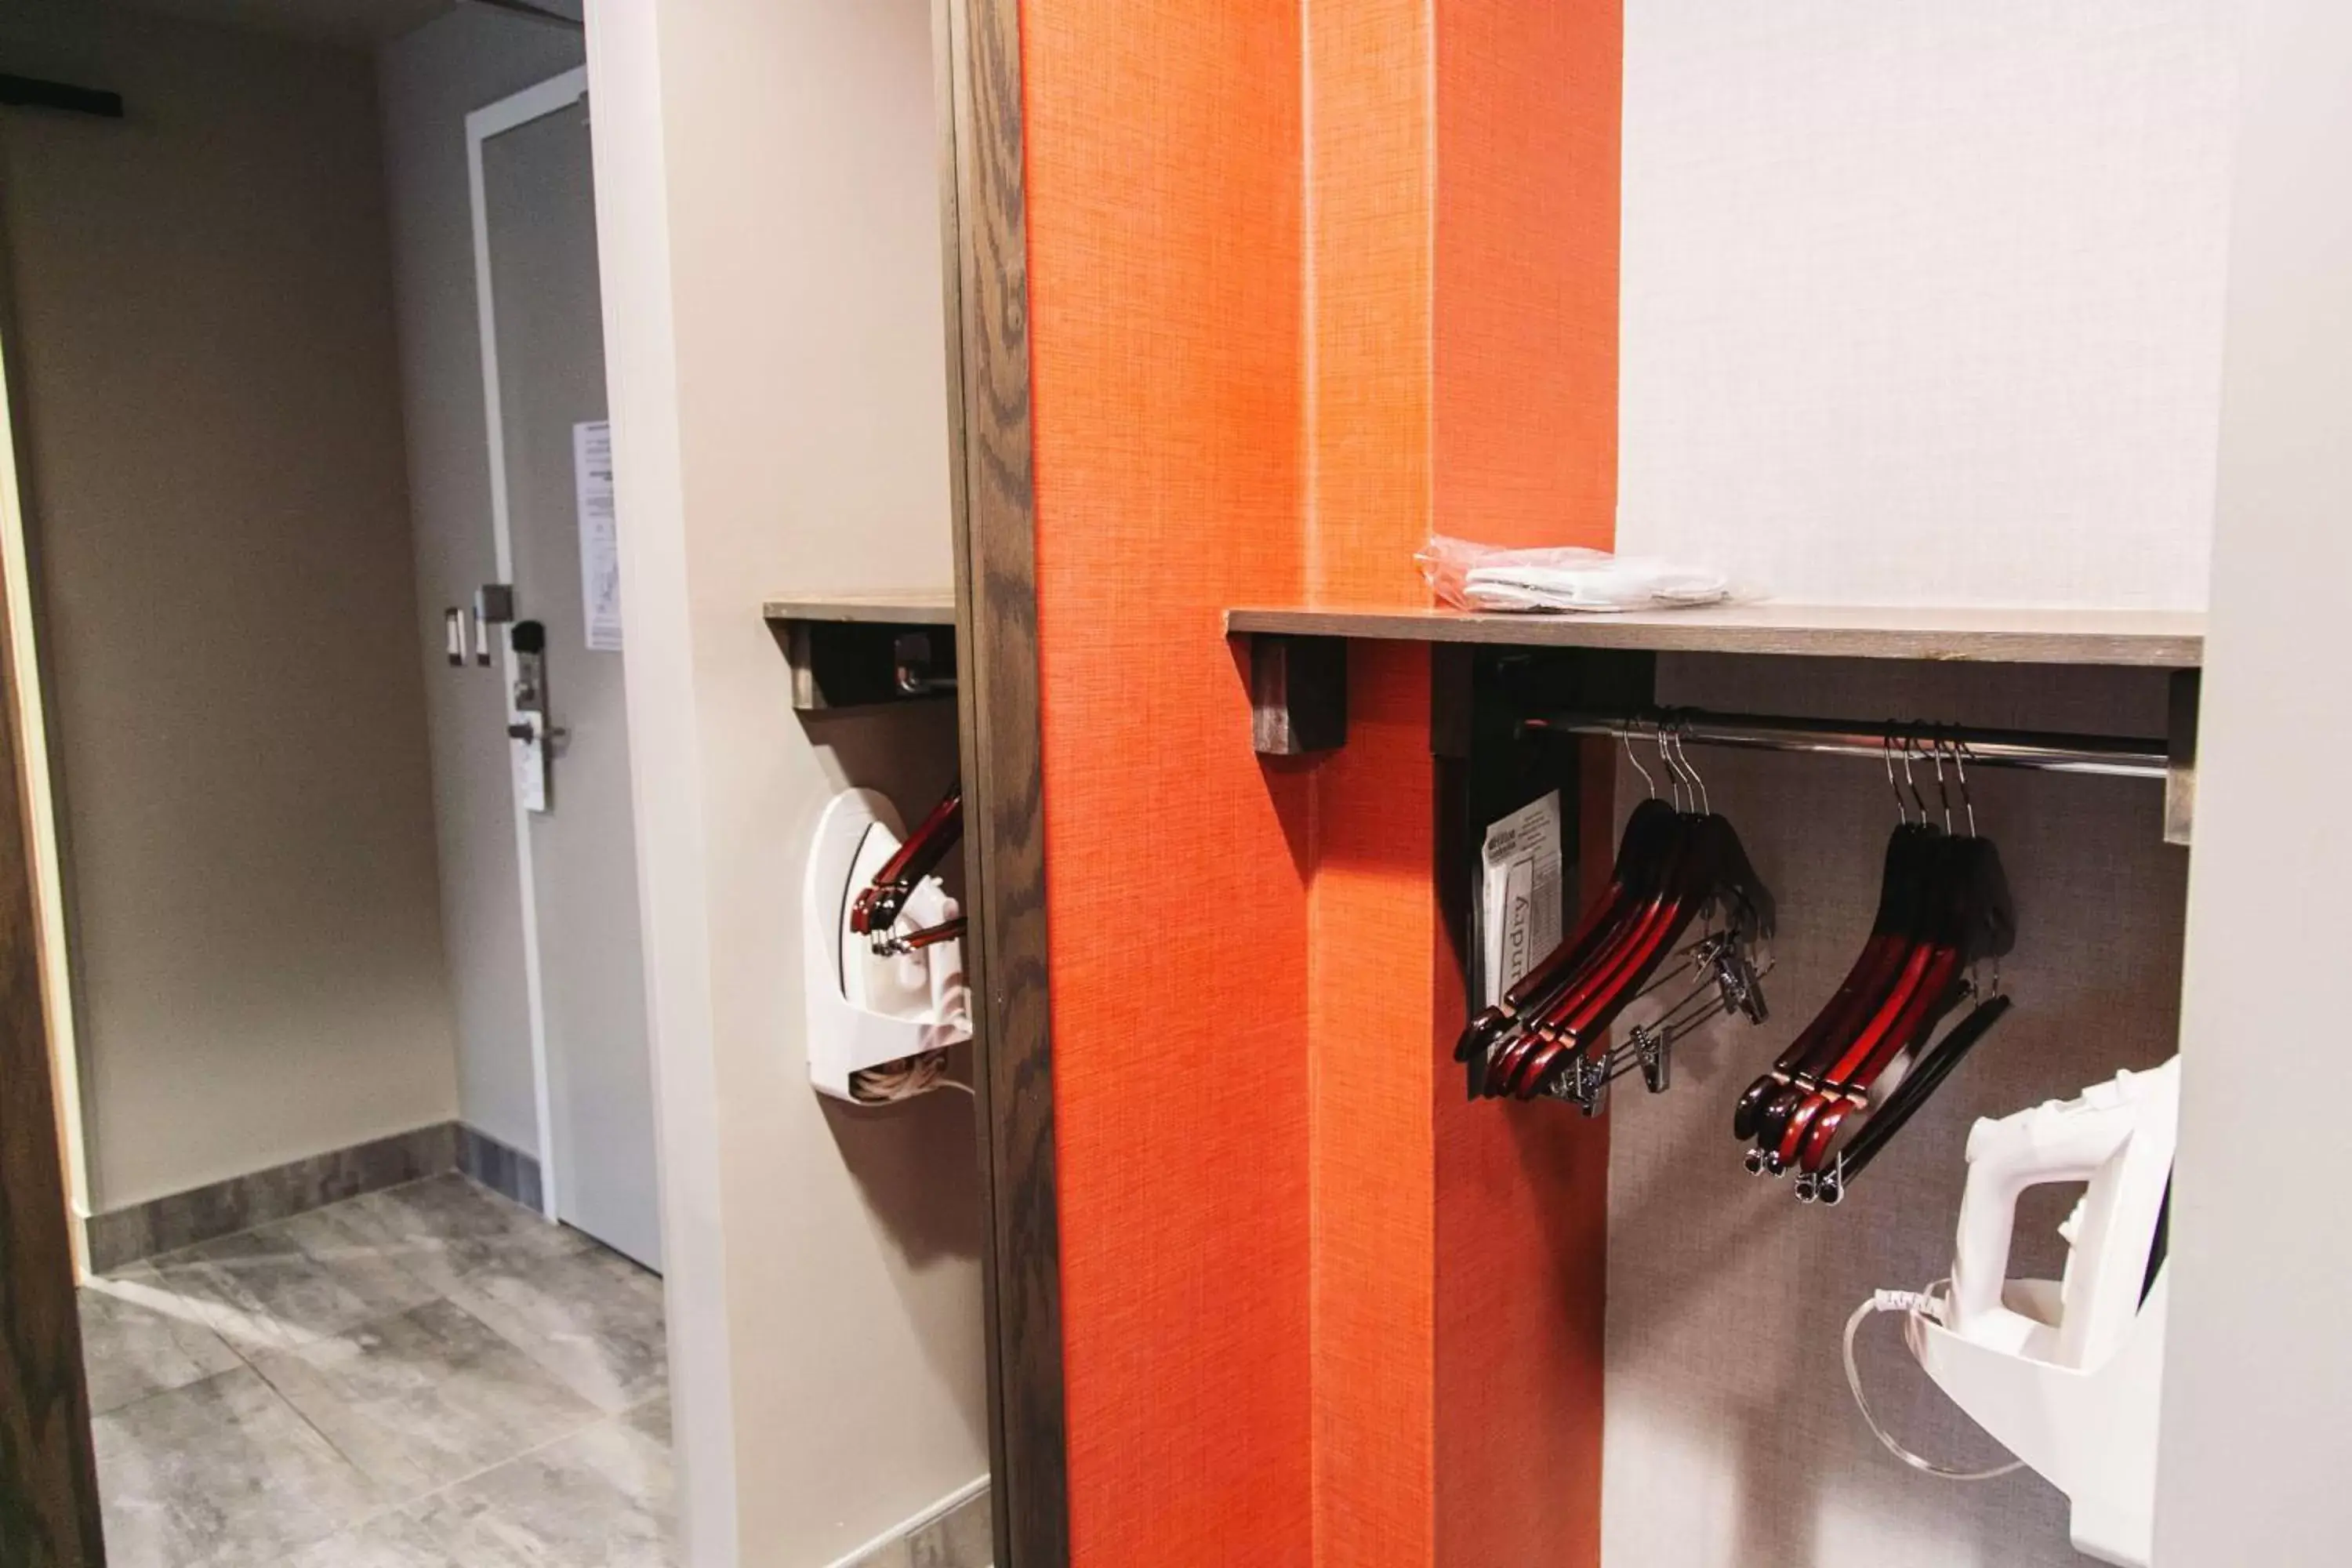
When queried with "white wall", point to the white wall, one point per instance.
{"points": [[207, 343], [768, 200], [429, 81], [2258, 1374], [1922, 301]]}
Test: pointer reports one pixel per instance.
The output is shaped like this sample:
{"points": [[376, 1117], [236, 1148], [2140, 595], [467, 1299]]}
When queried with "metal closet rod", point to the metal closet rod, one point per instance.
{"points": [[2109, 756]]}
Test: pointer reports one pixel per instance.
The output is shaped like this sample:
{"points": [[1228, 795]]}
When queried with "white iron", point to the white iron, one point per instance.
{"points": [[866, 1010], [2067, 1373]]}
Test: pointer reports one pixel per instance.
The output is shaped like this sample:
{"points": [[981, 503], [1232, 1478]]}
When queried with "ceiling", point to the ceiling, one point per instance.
{"points": [[353, 24]]}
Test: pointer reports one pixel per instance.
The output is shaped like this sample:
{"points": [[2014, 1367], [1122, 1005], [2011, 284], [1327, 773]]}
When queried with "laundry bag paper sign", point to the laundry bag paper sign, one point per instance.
{"points": [[1519, 911]]}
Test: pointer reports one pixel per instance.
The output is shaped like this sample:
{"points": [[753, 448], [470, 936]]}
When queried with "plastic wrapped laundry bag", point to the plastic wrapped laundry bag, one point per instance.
{"points": [[1561, 577]]}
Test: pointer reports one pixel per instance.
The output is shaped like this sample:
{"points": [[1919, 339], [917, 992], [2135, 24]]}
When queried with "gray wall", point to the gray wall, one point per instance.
{"points": [[207, 344], [2258, 1372], [1923, 305], [430, 80], [1731, 1437]]}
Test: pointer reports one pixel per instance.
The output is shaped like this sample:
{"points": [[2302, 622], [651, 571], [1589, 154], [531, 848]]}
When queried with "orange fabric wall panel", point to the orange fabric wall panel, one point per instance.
{"points": [[1165, 232], [1273, 342], [1375, 941], [1368, 286], [1525, 372]]}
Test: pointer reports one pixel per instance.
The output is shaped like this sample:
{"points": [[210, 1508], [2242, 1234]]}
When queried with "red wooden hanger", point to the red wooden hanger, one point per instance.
{"points": [[1707, 869], [880, 903], [1635, 871], [1967, 915]]}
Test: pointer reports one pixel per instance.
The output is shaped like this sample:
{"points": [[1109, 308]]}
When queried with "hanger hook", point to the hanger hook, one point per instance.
{"points": [[1886, 752], [1918, 800], [1667, 760], [1959, 764], [1682, 743], [1943, 795], [1625, 739]]}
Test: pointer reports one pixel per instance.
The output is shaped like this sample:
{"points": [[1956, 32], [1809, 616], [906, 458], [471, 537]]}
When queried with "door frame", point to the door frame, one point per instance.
{"points": [[48, 1477], [49, 1513], [510, 113]]}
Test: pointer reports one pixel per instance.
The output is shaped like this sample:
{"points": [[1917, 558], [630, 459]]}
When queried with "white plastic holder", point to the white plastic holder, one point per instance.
{"points": [[864, 1011], [2068, 1375]]}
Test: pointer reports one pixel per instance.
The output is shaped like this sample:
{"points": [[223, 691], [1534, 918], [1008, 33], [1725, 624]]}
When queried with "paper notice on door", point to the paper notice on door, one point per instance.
{"points": [[1519, 877], [600, 539]]}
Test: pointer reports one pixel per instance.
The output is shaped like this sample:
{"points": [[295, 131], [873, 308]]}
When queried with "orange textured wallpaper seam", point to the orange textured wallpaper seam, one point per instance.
{"points": [[1374, 941], [1369, 286], [1164, 147], [1370, 236]]}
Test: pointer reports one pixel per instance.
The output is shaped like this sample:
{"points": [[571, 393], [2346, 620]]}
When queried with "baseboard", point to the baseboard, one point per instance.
{"points": [[957, 1531], [501, 1167], [223, 1208]]}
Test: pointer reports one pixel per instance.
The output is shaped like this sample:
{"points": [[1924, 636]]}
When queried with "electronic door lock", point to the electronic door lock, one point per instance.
{"points": [[534, 738]]}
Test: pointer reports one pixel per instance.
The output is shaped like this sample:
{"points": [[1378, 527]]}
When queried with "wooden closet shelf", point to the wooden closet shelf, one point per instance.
{"points": [[863, 650], [2160, 640], [917, 608]]}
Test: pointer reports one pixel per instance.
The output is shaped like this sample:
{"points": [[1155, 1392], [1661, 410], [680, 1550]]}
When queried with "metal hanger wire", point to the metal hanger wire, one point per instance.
{"points": [[1943, 795], [1625, 739], [1666, 761], [1917, 799], [1698, 779]]}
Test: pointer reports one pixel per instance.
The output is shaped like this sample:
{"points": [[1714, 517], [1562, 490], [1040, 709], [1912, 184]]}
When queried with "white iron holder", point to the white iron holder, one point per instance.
{"points": [[863, 1011]]}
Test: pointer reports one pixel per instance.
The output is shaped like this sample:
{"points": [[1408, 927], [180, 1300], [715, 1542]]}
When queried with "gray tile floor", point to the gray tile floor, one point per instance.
{"points": [[426, 1377]]}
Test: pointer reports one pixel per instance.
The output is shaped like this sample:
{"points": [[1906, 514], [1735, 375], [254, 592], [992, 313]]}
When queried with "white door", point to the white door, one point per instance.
{"points": [[545, 372]]}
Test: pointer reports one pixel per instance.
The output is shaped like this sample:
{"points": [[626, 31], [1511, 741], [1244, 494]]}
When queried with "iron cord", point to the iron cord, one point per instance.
{"points": [[1905, 1301]]}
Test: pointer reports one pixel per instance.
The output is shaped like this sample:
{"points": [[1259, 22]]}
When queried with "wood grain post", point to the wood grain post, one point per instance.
{"points": [[994, 504]]}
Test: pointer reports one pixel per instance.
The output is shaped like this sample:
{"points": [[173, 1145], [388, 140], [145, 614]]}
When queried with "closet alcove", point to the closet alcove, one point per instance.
{"points": [[1726, 1425]]}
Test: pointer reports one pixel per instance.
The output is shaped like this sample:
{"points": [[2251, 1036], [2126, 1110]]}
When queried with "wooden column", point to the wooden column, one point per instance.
{"points": [[986, 228]]}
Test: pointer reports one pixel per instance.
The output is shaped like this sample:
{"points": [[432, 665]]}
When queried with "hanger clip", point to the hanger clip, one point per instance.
{"points": [[1585, 1084], [1655, 1051]]}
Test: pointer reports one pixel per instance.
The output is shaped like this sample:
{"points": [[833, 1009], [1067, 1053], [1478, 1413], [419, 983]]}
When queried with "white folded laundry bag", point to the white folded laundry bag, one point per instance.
{"points": [[1473, 576]]}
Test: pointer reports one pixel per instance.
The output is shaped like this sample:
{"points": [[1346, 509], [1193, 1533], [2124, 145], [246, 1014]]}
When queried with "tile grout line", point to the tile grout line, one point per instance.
{"points": [[439, 1297], [388, 1258], [602, 1418]]}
